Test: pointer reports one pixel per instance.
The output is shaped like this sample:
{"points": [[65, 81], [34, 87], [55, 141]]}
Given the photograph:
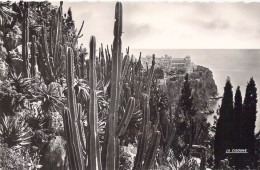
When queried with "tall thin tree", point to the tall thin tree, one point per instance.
{"points": [[223, 137], [188, 109], [237, 129], [249, 119], [186, 99]]}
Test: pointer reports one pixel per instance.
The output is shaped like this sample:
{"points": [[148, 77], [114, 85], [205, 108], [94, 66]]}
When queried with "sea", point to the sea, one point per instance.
{"points": [[237, 64]]}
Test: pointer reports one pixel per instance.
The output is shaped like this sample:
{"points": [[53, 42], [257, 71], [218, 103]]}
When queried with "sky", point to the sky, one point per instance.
{"points": [[172, 25]]}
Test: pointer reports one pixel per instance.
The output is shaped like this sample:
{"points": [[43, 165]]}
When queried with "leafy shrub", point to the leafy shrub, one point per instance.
{"points": [[14, 131]]}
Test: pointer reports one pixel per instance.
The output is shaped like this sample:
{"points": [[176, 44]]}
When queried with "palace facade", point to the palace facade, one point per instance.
{"points": [[168, 63]]}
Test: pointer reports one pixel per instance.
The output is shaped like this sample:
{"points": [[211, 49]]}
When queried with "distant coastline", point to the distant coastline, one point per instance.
{"points": [[238, 64]]}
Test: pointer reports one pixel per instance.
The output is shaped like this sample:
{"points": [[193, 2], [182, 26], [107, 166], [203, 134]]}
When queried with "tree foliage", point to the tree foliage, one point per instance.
{"points": [[223, 137], [249, 119]]}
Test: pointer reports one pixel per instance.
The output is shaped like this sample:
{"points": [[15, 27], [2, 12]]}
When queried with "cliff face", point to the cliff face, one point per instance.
{"points": [[203, 88]]}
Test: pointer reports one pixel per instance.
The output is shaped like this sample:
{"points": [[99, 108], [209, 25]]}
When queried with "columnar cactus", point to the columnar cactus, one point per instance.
{"points": [[112, 146], [25, 40], [124, 75], [53, 58], [73, 113], [82, 61], [149, 140], [150, 76], [34, 66], [147, 148], [93, 109], [57, 34], [126, 117]]}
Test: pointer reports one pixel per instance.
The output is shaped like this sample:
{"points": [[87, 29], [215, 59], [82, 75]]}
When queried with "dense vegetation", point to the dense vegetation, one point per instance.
{"points": [[64, 108]]}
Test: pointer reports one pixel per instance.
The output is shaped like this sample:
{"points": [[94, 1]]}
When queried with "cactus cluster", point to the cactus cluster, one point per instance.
{"points": [[53, 57], [44, 60], [149, 139], [122, 76]]}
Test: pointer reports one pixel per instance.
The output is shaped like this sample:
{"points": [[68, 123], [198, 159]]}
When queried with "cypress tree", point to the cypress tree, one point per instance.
{"points": [[223, 137], [237, 119], [187, 108], [237, 128], [186, 99], [249, 119]]}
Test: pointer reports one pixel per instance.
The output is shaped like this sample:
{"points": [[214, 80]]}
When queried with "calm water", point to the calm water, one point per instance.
{"points": [[239, 65]]}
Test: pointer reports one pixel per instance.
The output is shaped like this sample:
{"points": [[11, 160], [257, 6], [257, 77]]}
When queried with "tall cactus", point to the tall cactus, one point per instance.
{"points": [[34, 66], [126, 117], [74, 114], [25, 40], [57, 34], [112, 146], [146, 150], [51, 51], [120, 94], [150, 76], [93, 112]]}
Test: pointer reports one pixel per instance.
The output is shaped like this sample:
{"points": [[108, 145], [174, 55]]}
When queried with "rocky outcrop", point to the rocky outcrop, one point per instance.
{"points": [[203, 88]]}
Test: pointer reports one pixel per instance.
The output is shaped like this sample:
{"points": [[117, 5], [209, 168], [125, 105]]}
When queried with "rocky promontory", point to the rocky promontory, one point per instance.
{"points": [[203, 89]]}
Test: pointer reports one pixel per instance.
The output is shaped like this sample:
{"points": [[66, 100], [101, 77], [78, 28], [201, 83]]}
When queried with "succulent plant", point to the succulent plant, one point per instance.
{"points": [[14, 131]]}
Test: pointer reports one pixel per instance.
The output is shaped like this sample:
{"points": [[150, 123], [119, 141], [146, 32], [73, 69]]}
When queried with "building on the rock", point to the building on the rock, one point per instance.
{"points": [[169, 63]]}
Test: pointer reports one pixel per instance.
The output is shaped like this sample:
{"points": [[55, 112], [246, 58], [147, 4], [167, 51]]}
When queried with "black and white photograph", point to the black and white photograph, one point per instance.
{"points": [[129, 85]]}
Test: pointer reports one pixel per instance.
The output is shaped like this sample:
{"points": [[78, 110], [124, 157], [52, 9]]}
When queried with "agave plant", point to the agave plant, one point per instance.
{"points": [[6, 13], [14, 131], [20, 84], [173, 163], [82, 90], [50, 95]]}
